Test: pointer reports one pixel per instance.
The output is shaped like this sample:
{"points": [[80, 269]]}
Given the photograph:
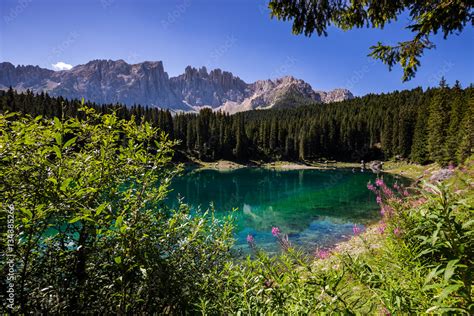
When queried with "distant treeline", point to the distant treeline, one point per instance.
{"points": [[422, 126]]}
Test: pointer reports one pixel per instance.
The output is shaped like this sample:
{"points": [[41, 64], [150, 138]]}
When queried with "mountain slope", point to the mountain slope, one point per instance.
{"points": [[147, 83]]}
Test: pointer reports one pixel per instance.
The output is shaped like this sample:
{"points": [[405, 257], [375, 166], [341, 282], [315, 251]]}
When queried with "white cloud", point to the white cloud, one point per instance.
{"points": [[61, 66]]}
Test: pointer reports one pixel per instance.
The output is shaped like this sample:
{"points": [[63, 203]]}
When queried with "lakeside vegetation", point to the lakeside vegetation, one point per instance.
{"points": [[91, 235], [435, 125]]}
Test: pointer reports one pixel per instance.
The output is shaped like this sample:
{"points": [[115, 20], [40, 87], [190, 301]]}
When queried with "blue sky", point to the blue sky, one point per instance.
{"points": [[234, 35]]}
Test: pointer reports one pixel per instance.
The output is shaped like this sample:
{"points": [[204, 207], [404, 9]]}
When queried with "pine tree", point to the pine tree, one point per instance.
{"points": [[419, 148], [454, 133], [466, 130], [301, 147], [437, 125]]}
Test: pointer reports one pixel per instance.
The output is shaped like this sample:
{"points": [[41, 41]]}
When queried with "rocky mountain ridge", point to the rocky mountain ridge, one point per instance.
{"points": [[147, 83]]}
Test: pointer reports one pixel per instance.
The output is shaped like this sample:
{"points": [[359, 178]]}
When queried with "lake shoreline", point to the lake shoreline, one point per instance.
{"points": [[404, 169], [357, 245]]}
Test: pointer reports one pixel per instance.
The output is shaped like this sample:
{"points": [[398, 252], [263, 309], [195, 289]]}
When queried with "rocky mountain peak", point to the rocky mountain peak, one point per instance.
{"points": [[147, 83]]}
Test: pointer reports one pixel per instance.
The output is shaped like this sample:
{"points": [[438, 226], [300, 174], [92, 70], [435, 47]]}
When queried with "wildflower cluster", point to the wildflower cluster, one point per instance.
{"points": [[387, 197]]}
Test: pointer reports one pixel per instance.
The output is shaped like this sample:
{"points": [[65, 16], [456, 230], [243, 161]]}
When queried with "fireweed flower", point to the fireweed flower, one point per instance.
{"points": [[386, 312], [323, 254], [356, 230], [386, 210], [250, 239], [397, 232], [379, 199], [396, 186], [382, 228], [387, 191], [379, 182], [275, 231], [371, 187], [418, 202]]}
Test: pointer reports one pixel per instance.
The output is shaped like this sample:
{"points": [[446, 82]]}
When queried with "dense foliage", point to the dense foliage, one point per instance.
{"points": [[423, 126], [424, 19], [87, 231]]}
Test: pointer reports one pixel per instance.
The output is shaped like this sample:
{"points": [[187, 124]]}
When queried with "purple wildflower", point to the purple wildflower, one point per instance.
{"points": [[386, 210], [356, 230], [405, 193], [379, 199], [379, 182], [386, 312], [396, 186], [250, 239], [323, 254], [371, 187], [275, 231], [382, 228], [387, 192], [397, 232]]}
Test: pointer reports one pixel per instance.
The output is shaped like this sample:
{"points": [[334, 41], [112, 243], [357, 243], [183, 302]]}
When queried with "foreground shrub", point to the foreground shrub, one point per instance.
{"points": [[88, 233]]}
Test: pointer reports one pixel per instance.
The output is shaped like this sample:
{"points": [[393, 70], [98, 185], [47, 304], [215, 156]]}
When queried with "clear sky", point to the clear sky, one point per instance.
{"points": [[234, 35]]}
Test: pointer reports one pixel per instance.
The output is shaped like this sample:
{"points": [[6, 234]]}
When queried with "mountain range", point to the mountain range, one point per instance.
{"points": [[147, 83]]}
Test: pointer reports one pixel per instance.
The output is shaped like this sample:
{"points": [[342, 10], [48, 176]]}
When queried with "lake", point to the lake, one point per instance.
{"points": [[316, 208]]}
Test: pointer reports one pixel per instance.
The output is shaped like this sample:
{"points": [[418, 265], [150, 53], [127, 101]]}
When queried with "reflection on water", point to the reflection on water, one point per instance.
{"points": [[316, 208]]}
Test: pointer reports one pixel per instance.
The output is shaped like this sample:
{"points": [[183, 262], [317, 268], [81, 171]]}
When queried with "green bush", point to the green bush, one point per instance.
{"points": [[91, 234]]}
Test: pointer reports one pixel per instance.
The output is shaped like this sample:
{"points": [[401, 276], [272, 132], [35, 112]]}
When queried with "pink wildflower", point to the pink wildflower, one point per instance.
{"points": [[418, 202], [323, 254], [386, 312], [388, 210], [405, 193], [275, 231], [397, 232], [356, 230], [250, 239], [371, 187], [396, 186], [379, 199], [379, 182], [387, 192], [382, 228]]}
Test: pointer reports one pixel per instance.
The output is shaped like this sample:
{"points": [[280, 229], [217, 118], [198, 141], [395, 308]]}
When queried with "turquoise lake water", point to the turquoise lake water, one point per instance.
{"points": [[316, 208]]}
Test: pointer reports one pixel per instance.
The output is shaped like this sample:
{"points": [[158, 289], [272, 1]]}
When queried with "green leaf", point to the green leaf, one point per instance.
{"points": [[57, 122], [450, 269], [70, 142], [72, 221], [27, 212], [57, 151], [118, 260], [100, 208], [118, 221], [59, 138], [53, 180], [65, 184]]}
